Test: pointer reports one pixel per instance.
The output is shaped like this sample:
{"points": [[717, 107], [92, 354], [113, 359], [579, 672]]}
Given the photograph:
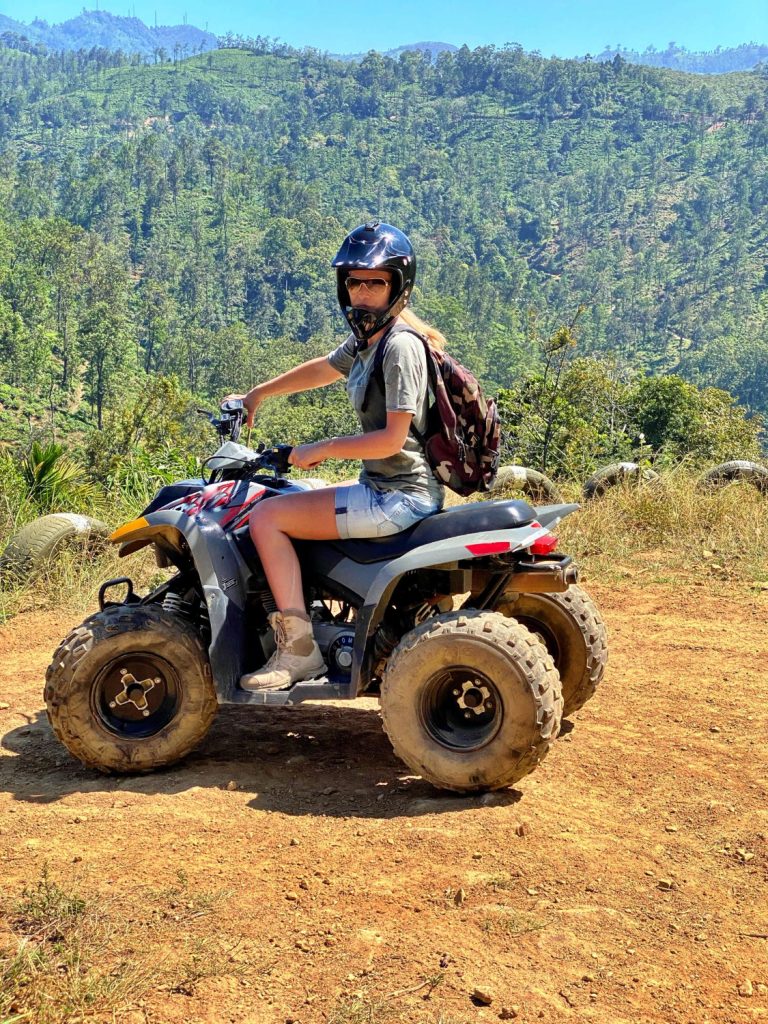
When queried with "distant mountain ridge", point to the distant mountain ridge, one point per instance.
{"points": [[716, 62], [112, 32], [432, 48], [116, 32]]}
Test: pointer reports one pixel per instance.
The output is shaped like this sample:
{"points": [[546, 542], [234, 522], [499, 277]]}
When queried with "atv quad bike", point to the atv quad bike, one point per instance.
{"points": [[470, 697]]}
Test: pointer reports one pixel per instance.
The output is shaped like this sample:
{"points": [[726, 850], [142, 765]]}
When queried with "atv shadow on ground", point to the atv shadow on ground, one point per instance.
{"points": [[309, 760]]}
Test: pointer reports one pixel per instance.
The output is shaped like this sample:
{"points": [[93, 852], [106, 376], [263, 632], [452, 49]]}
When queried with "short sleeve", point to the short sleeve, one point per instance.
{"points": [[405, 373], [341, 358]]}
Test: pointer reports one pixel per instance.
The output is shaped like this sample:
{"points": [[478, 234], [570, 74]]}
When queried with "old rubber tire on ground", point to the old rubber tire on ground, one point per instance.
{"points": [[42, 539], [571, 628], [530, 482], [130, 689], [617, 473], [738, 469], [471, 701]]}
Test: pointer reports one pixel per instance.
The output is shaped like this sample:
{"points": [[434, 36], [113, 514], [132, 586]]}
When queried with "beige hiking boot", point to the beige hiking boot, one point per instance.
{"points": [[296, 658]]}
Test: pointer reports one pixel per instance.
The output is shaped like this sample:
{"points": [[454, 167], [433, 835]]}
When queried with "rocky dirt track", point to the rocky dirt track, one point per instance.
{"points": [[291, 870]]}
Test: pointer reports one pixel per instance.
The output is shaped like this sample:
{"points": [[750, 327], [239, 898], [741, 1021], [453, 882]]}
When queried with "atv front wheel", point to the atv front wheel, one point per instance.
{"points": [[571, 628], [130, 690], [471, 701]]}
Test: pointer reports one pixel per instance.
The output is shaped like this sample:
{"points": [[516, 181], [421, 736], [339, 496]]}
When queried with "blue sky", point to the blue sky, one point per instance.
{"points": [[561, 27]]}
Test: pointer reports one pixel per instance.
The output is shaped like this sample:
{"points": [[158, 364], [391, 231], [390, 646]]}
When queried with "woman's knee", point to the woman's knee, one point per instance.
{"points": [[262, 519]]}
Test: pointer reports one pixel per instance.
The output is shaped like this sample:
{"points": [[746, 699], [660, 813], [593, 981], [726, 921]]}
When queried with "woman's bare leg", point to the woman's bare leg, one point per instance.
{"points": [[308, 516]]}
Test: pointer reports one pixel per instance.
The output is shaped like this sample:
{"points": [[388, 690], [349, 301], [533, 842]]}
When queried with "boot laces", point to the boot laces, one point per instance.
{"points": [[281, 634], [277, 623]]}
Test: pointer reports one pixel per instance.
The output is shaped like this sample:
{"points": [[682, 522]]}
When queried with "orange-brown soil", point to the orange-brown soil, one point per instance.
{"points": [[624, 880]]}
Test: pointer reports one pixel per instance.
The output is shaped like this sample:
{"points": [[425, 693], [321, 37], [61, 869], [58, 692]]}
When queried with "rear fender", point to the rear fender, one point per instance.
{"points": [[550, 515], [223, 576], [442, 554]]}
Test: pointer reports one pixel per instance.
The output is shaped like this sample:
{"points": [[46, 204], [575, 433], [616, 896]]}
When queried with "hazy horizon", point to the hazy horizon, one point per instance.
{"points": [[565, 28]]}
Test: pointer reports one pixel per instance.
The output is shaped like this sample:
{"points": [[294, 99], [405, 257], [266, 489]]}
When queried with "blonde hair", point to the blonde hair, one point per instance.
{"points": [[433, 336]]}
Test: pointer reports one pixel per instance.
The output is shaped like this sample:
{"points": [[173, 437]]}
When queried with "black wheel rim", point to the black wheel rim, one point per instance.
{"points": [[136, 696], [461, 708]]}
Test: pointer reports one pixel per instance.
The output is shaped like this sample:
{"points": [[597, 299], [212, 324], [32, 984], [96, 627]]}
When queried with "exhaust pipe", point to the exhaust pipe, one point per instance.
{"points": [[547, 576]]}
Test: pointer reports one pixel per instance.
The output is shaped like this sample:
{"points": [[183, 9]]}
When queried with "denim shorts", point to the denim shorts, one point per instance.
{"points": [[362, 511]]}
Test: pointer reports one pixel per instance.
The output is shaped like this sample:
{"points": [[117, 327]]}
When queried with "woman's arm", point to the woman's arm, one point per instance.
{"points": [[315, 373], [377, 444]]}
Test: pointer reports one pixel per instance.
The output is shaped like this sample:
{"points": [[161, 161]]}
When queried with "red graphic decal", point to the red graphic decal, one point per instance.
{"points": [[241, 512], [216, 496]]}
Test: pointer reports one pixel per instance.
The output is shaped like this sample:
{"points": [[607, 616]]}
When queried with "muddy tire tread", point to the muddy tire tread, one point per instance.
{"points": [[531, 483], [192, 723], [534, 663], [583, 610], [615, 474]]}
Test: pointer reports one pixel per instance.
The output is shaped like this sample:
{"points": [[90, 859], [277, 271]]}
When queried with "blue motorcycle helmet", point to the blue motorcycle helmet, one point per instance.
{"points": [[375, 246]]}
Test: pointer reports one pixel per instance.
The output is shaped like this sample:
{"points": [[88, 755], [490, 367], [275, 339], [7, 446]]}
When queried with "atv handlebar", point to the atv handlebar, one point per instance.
{"points": [[230, 422], [228, 426], [275, 458]]}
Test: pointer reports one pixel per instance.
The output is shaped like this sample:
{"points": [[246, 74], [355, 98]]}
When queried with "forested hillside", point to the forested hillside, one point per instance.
{"points": [[180, 217]]}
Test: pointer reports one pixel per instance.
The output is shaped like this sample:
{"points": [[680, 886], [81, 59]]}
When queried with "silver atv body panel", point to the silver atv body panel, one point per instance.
{"points": [[213, 518]]}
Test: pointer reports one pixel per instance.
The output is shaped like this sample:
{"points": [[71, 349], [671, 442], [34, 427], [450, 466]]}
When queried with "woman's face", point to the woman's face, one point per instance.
{"points": [[369, 289]]}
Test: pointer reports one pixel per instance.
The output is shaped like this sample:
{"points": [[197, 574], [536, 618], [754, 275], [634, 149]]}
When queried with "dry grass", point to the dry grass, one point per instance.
{"points": [[68, 955], [670, 530], [71, 580], [67, 958]]}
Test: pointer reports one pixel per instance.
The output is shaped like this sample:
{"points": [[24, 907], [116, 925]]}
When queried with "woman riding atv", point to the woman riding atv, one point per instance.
{"points": [[375, 272]]}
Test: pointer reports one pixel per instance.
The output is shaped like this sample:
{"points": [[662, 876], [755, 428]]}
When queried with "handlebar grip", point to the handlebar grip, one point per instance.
{"points": [[276, 458]]}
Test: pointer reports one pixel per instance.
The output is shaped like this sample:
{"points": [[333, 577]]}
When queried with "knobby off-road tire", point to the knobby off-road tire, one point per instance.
{"points": [[571, 628], [130, 690], [530, 482], [471, 701], [39, 541], [617, 473], [729, 472]]}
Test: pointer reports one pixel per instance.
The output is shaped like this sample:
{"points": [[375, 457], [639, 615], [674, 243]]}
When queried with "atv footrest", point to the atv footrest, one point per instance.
{"points": [[316, 689]]}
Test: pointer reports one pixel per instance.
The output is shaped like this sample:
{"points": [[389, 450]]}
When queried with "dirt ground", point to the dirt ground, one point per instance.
{"points": [[292, 870]]}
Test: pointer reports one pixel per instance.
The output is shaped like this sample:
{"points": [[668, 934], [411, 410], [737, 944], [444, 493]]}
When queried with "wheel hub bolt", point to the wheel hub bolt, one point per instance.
{"points": [[474, 698]]}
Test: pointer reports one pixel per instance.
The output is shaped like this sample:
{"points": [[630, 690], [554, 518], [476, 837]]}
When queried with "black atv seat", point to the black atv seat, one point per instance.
{"points": [[451, 522]]}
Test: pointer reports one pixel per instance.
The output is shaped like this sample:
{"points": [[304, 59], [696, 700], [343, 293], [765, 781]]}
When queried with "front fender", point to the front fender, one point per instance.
{"points": [[222, 572]]}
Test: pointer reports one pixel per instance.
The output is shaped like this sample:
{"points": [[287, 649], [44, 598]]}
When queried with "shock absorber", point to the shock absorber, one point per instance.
{"points": [[384, 642], [174, 604]]}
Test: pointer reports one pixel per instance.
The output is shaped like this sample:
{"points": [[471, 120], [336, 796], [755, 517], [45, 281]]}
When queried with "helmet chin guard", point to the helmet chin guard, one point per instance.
{"points": [[375, 246], [365, 324]]}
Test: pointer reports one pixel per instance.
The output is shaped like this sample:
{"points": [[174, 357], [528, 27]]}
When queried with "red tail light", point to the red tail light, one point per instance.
{"points": [[493, 548], [544, 545]]}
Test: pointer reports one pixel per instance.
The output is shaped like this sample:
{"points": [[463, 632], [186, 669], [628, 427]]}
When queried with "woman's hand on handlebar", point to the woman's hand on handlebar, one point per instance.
{"points": [[307, 456], [251, 401]]}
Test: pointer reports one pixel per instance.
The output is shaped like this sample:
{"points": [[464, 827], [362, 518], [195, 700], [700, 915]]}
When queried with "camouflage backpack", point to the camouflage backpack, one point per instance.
{"points": [[463, 430]]}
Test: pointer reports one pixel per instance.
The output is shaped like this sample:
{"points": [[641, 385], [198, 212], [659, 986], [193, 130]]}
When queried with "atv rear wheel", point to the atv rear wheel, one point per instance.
{"points": [[471, 701], [130, 690], [571, 628]]}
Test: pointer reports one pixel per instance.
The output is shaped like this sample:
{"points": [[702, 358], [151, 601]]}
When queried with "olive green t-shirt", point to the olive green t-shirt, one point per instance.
{"points": [[406, 389]]}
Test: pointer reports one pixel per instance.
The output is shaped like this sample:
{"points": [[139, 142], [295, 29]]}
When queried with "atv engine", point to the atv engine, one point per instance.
{"points": [[336, 641]]}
